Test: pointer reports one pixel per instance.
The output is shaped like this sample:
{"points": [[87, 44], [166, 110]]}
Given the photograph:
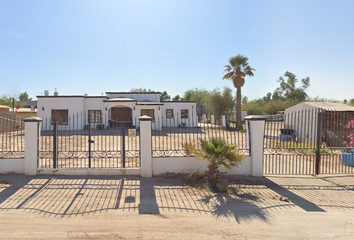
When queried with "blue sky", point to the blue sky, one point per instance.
{"points": [[97, 46]]}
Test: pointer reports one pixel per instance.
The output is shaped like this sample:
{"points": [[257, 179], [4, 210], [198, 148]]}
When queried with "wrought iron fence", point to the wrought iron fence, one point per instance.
{"points": [[12, 136], [169, 135], [80, 143], [337, 142], [309, 142]]}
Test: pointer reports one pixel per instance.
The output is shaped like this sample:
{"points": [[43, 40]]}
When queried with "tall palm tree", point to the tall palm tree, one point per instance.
{"points": [[236, 72], [218, 152]]}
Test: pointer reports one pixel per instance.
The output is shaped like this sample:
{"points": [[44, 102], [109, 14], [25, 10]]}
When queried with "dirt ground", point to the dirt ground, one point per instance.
{"points": [[127, 207]]}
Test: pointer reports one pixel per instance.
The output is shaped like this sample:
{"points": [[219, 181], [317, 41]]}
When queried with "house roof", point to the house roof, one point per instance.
{"points": [[3, 106], [331, 106], [120, 100], [178, 101], [149, 103], [23, 110], [133, 92], [71, 96]]}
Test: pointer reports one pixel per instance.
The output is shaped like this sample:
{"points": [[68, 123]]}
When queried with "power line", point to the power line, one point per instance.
{"points": [[10, 83], [18, 88]]}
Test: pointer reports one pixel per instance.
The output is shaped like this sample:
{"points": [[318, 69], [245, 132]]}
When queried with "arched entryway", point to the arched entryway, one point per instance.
{"points": [[119, 115]]}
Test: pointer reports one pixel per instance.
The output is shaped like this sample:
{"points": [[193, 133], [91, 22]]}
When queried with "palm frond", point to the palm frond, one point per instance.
{"points": [[229, 75]]}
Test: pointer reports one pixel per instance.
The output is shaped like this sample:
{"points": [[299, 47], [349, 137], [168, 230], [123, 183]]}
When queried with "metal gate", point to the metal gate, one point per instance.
{"points": [[309, 142], [95, 142]]}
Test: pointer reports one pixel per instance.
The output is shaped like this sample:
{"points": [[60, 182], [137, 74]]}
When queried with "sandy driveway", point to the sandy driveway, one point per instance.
{"points": [[162, 208]]}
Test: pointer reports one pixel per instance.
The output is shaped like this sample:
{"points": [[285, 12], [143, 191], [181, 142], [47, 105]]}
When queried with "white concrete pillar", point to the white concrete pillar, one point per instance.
{"points": [[32, 137], [212, 120], [255, 129], [223, 121], [145, 146], [204, 118]]}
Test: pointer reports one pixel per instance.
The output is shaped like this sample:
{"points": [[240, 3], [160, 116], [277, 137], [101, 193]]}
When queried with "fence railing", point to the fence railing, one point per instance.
{"points": [[12, 137], [310, 141], [169, 139], [77, 142]]}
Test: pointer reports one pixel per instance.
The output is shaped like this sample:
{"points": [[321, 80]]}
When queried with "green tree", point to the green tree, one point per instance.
{"points": [[200, 96], [177, 98], [164, 96], [6, 100], [236, 72], [218, 153], [24, 97], [351, 102], [141, 90], [221, 102], [261, 107], [277, 95], [267, 97], [289, 90], [244, 100]]}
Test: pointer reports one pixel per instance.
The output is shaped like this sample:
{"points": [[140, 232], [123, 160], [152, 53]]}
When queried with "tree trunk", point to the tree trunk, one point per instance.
{"points": [[238, 109], [213, 176]]}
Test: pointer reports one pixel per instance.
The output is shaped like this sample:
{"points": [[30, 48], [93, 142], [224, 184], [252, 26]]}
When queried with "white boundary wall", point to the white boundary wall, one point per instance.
{"points": [[251, 165], [190, 164], [12, 165]]}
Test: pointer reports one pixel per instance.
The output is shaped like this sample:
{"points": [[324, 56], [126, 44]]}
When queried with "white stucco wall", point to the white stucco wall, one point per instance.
{"points": [[74, 105], [192, 120], [190, 164], [156, 125], [152, 97], [12, 165], [79, 106], [96, 103]]}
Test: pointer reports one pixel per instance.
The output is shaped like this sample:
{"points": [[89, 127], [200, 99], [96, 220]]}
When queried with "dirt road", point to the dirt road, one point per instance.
{"points": [[162, 208]]}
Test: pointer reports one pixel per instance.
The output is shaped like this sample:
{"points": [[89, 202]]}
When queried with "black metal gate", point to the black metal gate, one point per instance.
{"points": [[77, 142], [309, 142]]}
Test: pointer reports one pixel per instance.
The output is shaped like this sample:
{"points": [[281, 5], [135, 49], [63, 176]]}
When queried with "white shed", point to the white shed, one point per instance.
{"points": [[303, 118]]}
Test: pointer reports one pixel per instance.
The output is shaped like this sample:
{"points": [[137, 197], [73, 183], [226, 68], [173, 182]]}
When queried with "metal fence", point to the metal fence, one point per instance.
{"points": [[82, 144], [309, 142], [12, 136], [170, 134]]}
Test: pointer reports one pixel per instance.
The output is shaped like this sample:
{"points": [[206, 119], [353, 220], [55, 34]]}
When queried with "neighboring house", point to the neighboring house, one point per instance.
{"points": [[23, 113], [4, 108], [13, 120], [31, 104], [108, 111], [303, 118]]}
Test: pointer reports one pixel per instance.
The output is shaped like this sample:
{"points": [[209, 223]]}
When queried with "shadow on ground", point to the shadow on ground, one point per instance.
{"points": [[71, 196], [257, 198]]}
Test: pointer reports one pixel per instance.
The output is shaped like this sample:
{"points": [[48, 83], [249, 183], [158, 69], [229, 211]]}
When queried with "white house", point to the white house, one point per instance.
{"points": [[109, 111]]}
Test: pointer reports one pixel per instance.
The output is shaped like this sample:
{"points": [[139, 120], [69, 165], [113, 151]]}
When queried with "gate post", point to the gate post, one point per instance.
{"points": [[145, 146], [255, 129], [32, 137], [318, 143]]}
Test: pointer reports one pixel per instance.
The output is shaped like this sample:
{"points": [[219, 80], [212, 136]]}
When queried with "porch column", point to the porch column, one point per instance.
{"points": [[145, 146], [255, 130], [32, 137]]}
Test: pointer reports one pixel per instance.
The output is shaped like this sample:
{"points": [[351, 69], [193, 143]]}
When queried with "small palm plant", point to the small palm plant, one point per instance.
{"points": [[218, 152]]}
